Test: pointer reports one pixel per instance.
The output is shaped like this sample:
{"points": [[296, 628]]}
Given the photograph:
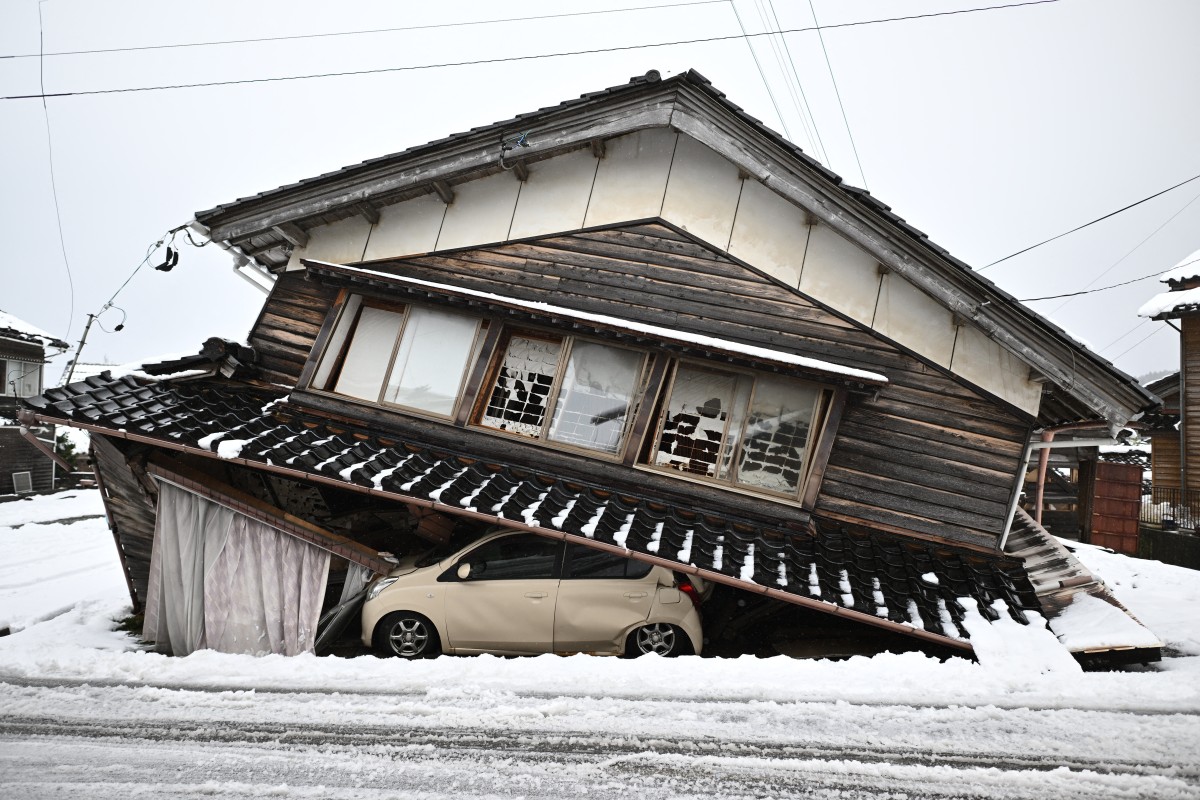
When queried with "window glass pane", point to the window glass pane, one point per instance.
{"points": [[775, 435], [336, 342], [694, 428], [514, 558], [370, 350], [522, 390], [431, 360], [587, 562], [595, 396]]}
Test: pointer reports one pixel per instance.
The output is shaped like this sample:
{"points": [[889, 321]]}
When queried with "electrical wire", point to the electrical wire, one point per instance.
{"points": [[1138, 342], [62, 242], [837, 92], [820, 145], [1123, 335], [1091, 291], [300, 36], [1152, 234], [1088, 224], [761, 74], [512, 59]]}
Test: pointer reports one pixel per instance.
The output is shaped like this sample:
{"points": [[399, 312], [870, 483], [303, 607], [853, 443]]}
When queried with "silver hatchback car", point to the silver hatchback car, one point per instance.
{"points": [[521, 594]]}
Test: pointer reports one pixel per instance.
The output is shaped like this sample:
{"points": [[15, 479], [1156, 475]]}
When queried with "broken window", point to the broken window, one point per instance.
{"points": [[564, 390], [750, 431], [410, 356]]}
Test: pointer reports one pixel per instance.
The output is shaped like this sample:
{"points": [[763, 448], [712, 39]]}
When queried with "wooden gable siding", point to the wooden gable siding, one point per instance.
{"points": [[288, 324], [131, 512], [928, 455]]}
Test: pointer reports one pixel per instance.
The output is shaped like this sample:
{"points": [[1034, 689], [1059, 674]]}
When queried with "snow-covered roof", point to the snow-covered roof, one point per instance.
{"points": [[1177, 301], [656, 331], [13, 328], [1171, 303], [1189, 267]]}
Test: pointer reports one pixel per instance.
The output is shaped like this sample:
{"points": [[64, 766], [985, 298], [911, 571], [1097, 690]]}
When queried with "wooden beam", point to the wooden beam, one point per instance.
{"points": [[293, 233], [598, 148], [369, 212], [444, 191], [211, 488], [521, 171]]}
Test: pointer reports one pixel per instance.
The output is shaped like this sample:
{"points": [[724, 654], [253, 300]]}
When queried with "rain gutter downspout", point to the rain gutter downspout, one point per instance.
{"points": [[1029, 448], [1044, 460]]}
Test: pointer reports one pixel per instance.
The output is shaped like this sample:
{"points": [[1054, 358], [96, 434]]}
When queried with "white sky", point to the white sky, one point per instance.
{"points": [[990, 131]]}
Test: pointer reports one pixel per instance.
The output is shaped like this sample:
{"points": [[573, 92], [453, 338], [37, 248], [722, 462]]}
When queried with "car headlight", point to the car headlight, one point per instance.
{"points": [[378, 586]]}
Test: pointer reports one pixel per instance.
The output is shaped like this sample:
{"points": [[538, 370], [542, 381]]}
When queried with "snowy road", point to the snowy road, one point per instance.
{"points": [[118, 741]]}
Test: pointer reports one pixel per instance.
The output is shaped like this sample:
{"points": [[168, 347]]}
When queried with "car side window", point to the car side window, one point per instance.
{"points": [[515, 558], [588, 562]]}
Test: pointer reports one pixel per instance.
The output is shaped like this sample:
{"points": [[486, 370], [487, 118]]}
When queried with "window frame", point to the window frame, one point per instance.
{"points": [[638, 390], [323, 384], [819, 424]]}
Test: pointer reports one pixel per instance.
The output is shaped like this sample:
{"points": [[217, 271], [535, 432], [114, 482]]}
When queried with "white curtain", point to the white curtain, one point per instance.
{"points": [[221, 580]]}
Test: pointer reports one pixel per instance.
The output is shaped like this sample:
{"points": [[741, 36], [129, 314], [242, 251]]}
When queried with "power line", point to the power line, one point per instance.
{"points": [[510, 59], [1139, 341], [1087, 224], [1152, 234], [62, 244], [1090, 291], [1123, 335], [837, 92], [263, 39], [761, 74], [799, 85]]}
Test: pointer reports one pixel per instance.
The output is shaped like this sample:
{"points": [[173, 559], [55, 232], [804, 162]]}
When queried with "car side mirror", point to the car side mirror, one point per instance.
{"points": [[464, 570]]}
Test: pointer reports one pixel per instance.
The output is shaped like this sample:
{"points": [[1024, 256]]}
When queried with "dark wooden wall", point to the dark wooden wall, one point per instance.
{"points": [[1189, 400], [131, 508], [18, 455], [288, 325], [928, 455]]}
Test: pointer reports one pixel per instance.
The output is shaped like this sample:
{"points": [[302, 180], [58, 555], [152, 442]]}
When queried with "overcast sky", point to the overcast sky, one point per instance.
{"points": [[990, 131]]}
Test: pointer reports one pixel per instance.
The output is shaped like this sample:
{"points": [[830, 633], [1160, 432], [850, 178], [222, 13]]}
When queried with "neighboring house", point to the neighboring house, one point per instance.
{"points": [[640, 321], [23, 466]]}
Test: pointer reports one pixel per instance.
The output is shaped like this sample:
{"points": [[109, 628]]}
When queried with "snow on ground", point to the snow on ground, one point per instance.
{"points": [[84, 710]]}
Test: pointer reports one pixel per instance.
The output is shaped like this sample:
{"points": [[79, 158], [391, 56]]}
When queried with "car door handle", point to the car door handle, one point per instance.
{"points": [[535, 595], [635, 595]]}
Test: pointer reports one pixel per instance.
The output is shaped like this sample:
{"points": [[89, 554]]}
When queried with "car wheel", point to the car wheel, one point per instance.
{"points": [[406, 635], [660, 638]]}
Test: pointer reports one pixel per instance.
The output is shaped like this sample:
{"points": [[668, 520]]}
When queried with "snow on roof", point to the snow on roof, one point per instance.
{"points": [[12, 327], [1091, 623], [1189, 267], [1170, 302], [669, 334]]}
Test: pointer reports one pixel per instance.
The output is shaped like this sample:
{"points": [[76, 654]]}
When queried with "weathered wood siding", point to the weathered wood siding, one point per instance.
{"points": [[18, 455], [1189, 401], [1164, 461], [131, 509], [288, 325], [928, 455]]}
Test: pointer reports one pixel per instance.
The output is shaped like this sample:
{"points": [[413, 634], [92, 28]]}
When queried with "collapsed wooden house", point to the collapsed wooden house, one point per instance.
{"points": [[641, 321], [24, 466]]}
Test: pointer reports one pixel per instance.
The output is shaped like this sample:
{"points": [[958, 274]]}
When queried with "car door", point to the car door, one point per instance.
{"points": [[600, 596], [506, 604]]}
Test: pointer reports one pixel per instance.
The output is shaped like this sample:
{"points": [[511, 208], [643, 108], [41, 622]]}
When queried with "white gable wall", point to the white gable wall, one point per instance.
{"points": [[659, 173]]}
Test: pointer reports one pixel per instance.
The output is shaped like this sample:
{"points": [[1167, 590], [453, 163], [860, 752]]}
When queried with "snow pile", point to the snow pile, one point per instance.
{"points": [[1091, 623]]}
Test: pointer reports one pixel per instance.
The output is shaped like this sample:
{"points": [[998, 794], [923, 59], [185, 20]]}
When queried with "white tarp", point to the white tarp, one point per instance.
{"points": [[224, 581]]}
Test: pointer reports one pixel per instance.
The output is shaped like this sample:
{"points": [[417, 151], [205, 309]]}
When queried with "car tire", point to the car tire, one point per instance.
{"points": [[405, 634], [659, 637]]}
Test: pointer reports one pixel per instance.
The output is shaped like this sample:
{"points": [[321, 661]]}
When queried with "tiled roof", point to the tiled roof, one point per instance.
{"points": [[875, 577]]}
